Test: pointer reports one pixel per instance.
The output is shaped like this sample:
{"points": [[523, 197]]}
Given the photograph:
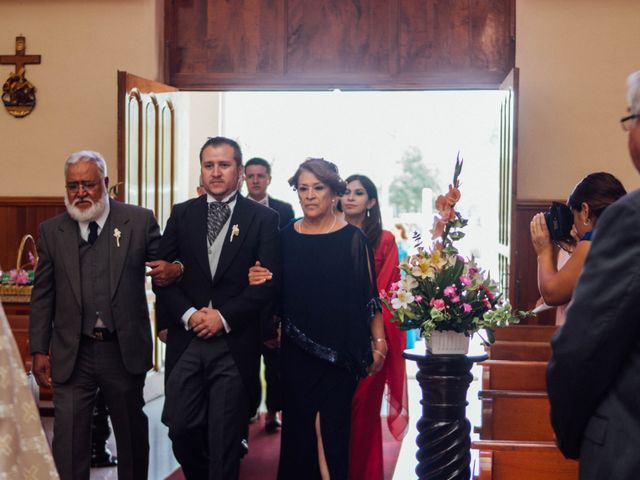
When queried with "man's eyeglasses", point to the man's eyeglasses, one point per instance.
{"points": [[73, 187], [629, 122]]}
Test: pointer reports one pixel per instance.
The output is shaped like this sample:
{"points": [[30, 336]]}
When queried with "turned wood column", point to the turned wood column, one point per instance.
{"points": [[443, 430]]}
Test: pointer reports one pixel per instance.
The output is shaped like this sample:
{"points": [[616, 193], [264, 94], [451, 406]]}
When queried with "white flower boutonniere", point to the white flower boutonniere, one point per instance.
{"points": [[235, 231], [117, 234]]}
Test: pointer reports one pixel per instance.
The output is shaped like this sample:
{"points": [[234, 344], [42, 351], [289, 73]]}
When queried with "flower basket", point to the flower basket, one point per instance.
{"points": [[441, 291], [16, 285], [448, 343]]}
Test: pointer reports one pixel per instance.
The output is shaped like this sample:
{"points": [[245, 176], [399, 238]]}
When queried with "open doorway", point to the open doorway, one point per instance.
{"points": [[403, 141]]}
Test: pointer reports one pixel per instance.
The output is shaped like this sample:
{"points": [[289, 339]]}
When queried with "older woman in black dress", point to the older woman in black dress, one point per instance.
{"points": [[330, 323]]}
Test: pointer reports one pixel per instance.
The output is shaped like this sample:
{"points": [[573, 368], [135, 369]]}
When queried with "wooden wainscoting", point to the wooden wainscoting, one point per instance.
{"points": [[19, 216], [525, 263]]}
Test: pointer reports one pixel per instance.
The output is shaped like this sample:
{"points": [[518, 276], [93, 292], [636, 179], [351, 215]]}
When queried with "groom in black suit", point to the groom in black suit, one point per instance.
{"points": [[213, 342]]}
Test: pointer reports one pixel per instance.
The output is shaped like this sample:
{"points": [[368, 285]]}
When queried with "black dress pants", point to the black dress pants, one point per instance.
{"points": [[206, 405]]}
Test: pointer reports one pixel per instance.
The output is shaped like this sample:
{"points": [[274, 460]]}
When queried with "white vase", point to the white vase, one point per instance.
{"points": [[448, 343]]}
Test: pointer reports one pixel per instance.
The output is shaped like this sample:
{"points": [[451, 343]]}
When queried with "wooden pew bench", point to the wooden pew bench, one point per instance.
{"points": [[504, 460], [519, 350], [525, 333], [514, 375], [515, 415]]}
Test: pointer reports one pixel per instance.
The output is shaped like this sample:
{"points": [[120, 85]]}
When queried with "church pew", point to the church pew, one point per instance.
{"points": [[504, 460], [514, 375], [515, 415], [519, 350], [525, 333]]}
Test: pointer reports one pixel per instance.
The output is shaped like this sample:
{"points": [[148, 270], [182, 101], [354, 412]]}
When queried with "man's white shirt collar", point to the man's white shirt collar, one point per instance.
{"points": [[101, 220]]}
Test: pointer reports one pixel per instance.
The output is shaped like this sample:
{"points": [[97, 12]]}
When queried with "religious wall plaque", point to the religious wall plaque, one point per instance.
{"points": [[18, 93]]}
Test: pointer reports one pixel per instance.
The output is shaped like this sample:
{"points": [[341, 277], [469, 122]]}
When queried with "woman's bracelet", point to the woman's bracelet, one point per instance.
{"points": [[380, 353], [384, 340]]}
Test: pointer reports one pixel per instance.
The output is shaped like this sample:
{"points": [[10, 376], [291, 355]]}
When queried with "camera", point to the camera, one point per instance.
{"points": [[559, 220]]}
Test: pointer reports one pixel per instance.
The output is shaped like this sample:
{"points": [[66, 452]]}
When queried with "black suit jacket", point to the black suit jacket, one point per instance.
{"points": [[185, 238], [593, 376], [55, 323], [284, 209]]}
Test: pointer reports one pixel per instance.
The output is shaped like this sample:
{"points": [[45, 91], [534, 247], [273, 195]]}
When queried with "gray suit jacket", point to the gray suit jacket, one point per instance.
{"points": [[593, 377], [55, 324]]}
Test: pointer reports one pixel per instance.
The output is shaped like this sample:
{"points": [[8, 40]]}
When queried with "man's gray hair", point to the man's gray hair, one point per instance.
{"points": [[633, 92], [87, 156]]}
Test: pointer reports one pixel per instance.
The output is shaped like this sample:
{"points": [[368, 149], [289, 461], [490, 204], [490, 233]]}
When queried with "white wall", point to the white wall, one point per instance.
{"points": [[574, 57], [83, 44]]}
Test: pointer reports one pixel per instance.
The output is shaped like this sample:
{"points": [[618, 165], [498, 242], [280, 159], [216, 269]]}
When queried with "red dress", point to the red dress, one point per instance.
{"points": [[366, 425]]}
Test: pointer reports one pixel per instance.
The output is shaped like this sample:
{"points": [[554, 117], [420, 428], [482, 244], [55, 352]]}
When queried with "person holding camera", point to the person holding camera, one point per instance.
{"points": [[570, 227]]}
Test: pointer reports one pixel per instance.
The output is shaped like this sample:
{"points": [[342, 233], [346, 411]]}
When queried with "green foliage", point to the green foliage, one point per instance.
{"points": [[405, 191]]}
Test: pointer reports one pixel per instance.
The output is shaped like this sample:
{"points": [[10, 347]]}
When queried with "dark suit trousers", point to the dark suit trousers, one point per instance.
{"points": [[272, 379], [206, 405], [99, 365]]}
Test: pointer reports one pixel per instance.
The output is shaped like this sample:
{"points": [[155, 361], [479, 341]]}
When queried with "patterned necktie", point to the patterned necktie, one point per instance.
{"points": [[93, 233], [218, 215]]}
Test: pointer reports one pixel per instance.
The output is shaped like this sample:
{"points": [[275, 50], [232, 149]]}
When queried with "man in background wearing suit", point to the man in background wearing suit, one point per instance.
{"points": [[594, 373], [213, 342], [89, 326], [257, 173]]}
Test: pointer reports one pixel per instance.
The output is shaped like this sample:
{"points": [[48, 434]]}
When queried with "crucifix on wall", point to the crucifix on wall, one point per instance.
{"points": [[18, 94]]}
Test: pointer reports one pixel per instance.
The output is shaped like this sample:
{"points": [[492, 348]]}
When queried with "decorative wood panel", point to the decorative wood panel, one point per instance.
{"points": [[22, 215], [355, 44], [526, 263]]}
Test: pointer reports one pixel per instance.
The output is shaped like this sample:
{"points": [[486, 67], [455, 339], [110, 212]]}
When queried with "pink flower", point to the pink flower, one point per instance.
{"points": [[486, 302], [465, 280], [383, 294], [455, 299], [453, 195], [450, 291], [438, 228], [394, 287], [418, 298], [466, 307], [437, 303], [19, 277]]}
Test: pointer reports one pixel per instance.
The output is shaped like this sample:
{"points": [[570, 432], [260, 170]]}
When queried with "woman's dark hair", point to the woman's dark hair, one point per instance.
{"points": [[598, 190], [324, 171], [372, 226]]}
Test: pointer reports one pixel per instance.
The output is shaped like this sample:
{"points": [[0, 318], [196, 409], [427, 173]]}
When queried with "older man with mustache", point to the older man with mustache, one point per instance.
{"points": [[89, 325]]}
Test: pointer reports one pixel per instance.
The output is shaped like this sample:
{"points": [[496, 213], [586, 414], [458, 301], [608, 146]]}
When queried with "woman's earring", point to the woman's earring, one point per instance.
{"points": [[586, 222], [368, 213]]}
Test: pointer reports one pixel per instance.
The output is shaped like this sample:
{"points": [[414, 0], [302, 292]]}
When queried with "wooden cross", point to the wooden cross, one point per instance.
{"points": [[20, 59]]}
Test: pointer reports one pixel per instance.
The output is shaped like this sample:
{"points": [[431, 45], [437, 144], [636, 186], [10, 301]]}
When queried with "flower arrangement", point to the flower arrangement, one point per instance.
{"points": [[19, 281], [443, 291]]}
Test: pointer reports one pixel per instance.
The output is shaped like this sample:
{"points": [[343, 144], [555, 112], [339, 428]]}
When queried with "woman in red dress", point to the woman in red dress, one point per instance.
{"points": [[360, 206]]}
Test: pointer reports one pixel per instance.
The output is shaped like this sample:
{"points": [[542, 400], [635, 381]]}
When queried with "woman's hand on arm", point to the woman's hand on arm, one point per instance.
{"points": [[259, 274]]}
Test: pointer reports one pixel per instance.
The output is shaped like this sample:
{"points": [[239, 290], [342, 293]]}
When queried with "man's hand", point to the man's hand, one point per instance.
{"points": [[163, 273], [207, 323], [42, 369]]}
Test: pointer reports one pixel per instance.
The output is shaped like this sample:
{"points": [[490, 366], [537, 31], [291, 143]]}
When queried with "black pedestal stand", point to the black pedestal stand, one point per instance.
{"points": [[443, 430], [100, 454]]}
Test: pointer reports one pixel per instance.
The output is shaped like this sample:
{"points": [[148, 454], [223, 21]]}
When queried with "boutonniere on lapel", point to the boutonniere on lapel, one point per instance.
{"points": [[235, 231], [117, 234]]}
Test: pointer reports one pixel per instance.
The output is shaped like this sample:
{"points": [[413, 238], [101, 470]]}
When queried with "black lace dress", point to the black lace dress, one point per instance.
{"points": [[328, 298]]}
